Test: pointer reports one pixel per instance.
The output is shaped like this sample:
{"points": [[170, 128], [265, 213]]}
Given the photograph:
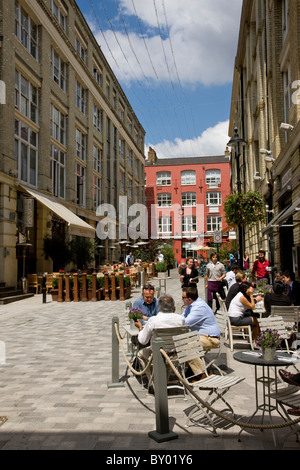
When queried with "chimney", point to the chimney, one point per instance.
{"points": [[227, 153], [152, 157]]}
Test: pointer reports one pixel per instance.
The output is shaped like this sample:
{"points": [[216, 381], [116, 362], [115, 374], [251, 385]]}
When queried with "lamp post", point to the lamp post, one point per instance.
{"points": [[235, 142]]}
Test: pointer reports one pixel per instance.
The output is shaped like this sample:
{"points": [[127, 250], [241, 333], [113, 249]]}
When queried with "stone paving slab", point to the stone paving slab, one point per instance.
{"points": [[54, 393]]}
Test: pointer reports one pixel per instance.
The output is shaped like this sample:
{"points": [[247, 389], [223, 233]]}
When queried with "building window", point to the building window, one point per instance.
{"points": [[122, 182], [165, 224], [59, 15], [26, 152], [80, 184], [122, 148], [26, 30], [121, 111], [96, 191], [26, 97], [163, 178], [81, 97], [189, 223], [97, 72], [97, 118], [81, 49], [214, 223], [213, 178], [285, 19], [80, 145], [97, 156], [129, 158], [164, 200], [287, 92], [188, 199], [58, 125], [57, 174], [58, 70], [188, 177], [213, 199]]}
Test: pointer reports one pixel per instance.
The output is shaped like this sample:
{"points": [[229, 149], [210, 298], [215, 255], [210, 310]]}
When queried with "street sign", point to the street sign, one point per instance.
{"points": [[232, 235], [217, 237]]}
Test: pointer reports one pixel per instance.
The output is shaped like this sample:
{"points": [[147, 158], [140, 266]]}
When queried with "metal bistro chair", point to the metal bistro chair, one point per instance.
{"points": [[188, 346], [235, 331]]}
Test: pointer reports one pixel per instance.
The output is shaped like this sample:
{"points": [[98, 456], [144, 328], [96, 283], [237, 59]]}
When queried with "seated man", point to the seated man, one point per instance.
{"points": [[276, 298], [166, 318], [199, 316], [230, 276], [147, 302], [293, 287]]}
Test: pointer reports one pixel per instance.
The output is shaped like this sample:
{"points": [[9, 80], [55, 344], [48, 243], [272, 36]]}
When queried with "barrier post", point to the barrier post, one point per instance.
{"points": [[162, 432], [115, 357]]}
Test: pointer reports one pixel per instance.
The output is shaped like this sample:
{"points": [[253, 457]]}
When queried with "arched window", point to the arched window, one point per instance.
{"points": [[188, 177], [163, 178]]}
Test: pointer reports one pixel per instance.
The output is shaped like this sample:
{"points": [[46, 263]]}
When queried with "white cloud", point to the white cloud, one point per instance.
{"points": [[211, 142], [203, 37]]}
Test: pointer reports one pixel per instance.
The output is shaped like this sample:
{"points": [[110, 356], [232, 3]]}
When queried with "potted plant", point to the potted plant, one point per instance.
{"points": [[161, 269], [268, 341], [134, 315], [54, 290]]}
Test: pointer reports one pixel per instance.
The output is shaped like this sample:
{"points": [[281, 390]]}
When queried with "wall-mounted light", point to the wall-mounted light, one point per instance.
{"points": [[257, 176], [286, 127], [269, 211]]}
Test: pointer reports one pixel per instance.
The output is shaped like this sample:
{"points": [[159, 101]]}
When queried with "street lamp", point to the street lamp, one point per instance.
{"points": [[235, 142]]}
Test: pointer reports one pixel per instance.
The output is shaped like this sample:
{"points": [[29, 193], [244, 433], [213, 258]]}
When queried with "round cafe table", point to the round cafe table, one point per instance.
{"points": [[266, 376]]}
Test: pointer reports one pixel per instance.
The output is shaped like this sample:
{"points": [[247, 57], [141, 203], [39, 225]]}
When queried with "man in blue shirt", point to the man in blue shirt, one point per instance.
{"points": [[147, 302], [199, 316]]}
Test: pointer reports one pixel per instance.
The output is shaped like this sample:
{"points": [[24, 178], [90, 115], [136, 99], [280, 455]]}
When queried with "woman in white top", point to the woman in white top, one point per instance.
{"points": [[239, 309]]}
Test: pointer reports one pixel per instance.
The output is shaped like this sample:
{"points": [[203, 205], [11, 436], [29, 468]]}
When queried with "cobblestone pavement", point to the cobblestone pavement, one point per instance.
{"points": [[54, 386]]}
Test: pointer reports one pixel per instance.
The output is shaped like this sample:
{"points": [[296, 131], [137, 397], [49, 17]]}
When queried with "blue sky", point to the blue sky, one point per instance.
{"points": [[174, 60]]}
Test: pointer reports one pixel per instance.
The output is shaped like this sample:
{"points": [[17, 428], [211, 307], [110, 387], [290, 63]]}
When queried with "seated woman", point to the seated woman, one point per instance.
{"points": [[276, 298], [240, 309]]}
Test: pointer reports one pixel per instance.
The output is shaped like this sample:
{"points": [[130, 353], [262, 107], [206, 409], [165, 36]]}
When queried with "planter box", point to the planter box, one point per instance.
{"points": [[162, 275]]}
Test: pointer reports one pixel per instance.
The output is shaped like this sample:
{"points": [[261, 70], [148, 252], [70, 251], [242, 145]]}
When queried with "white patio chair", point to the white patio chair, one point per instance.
{"points": [[275, 323], [235, 331], [289, 314], [188, 347], [216, 352]]}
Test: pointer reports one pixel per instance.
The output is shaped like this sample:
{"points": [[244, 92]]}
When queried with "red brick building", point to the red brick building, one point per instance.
{"points": [[185, 199]]}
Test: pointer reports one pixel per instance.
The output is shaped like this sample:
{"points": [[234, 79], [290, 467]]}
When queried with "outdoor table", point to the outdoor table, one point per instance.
{"points": [[267, 378]]}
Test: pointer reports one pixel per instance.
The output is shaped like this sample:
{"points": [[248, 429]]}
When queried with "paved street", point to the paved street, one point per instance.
{"points": [[54, 393]]}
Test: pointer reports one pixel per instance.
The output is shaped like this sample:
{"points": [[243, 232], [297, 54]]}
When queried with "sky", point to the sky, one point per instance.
{"points": [[174, 60]]}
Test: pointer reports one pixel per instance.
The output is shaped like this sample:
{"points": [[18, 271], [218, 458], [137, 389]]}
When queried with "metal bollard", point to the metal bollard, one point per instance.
{"points": [[44, 290], [115, 358], [162, 432]]}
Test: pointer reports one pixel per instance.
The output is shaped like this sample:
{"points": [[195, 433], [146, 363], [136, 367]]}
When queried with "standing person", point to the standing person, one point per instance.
{"points": [[160, 257], [128, 259], [246, 261], [147, 302], [293, 287], [200, 317], [215, 272], [260, 268], [188, 274], [240, 310]]}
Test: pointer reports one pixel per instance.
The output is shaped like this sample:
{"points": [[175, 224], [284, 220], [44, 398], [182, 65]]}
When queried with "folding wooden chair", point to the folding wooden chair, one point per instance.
{"points": [[289, 314], [166, 334], [188, 347], [235, 331]]}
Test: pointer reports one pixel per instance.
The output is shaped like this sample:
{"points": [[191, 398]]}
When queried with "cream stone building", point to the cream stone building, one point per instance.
{"points": [[70, 140], [265, 111]]}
